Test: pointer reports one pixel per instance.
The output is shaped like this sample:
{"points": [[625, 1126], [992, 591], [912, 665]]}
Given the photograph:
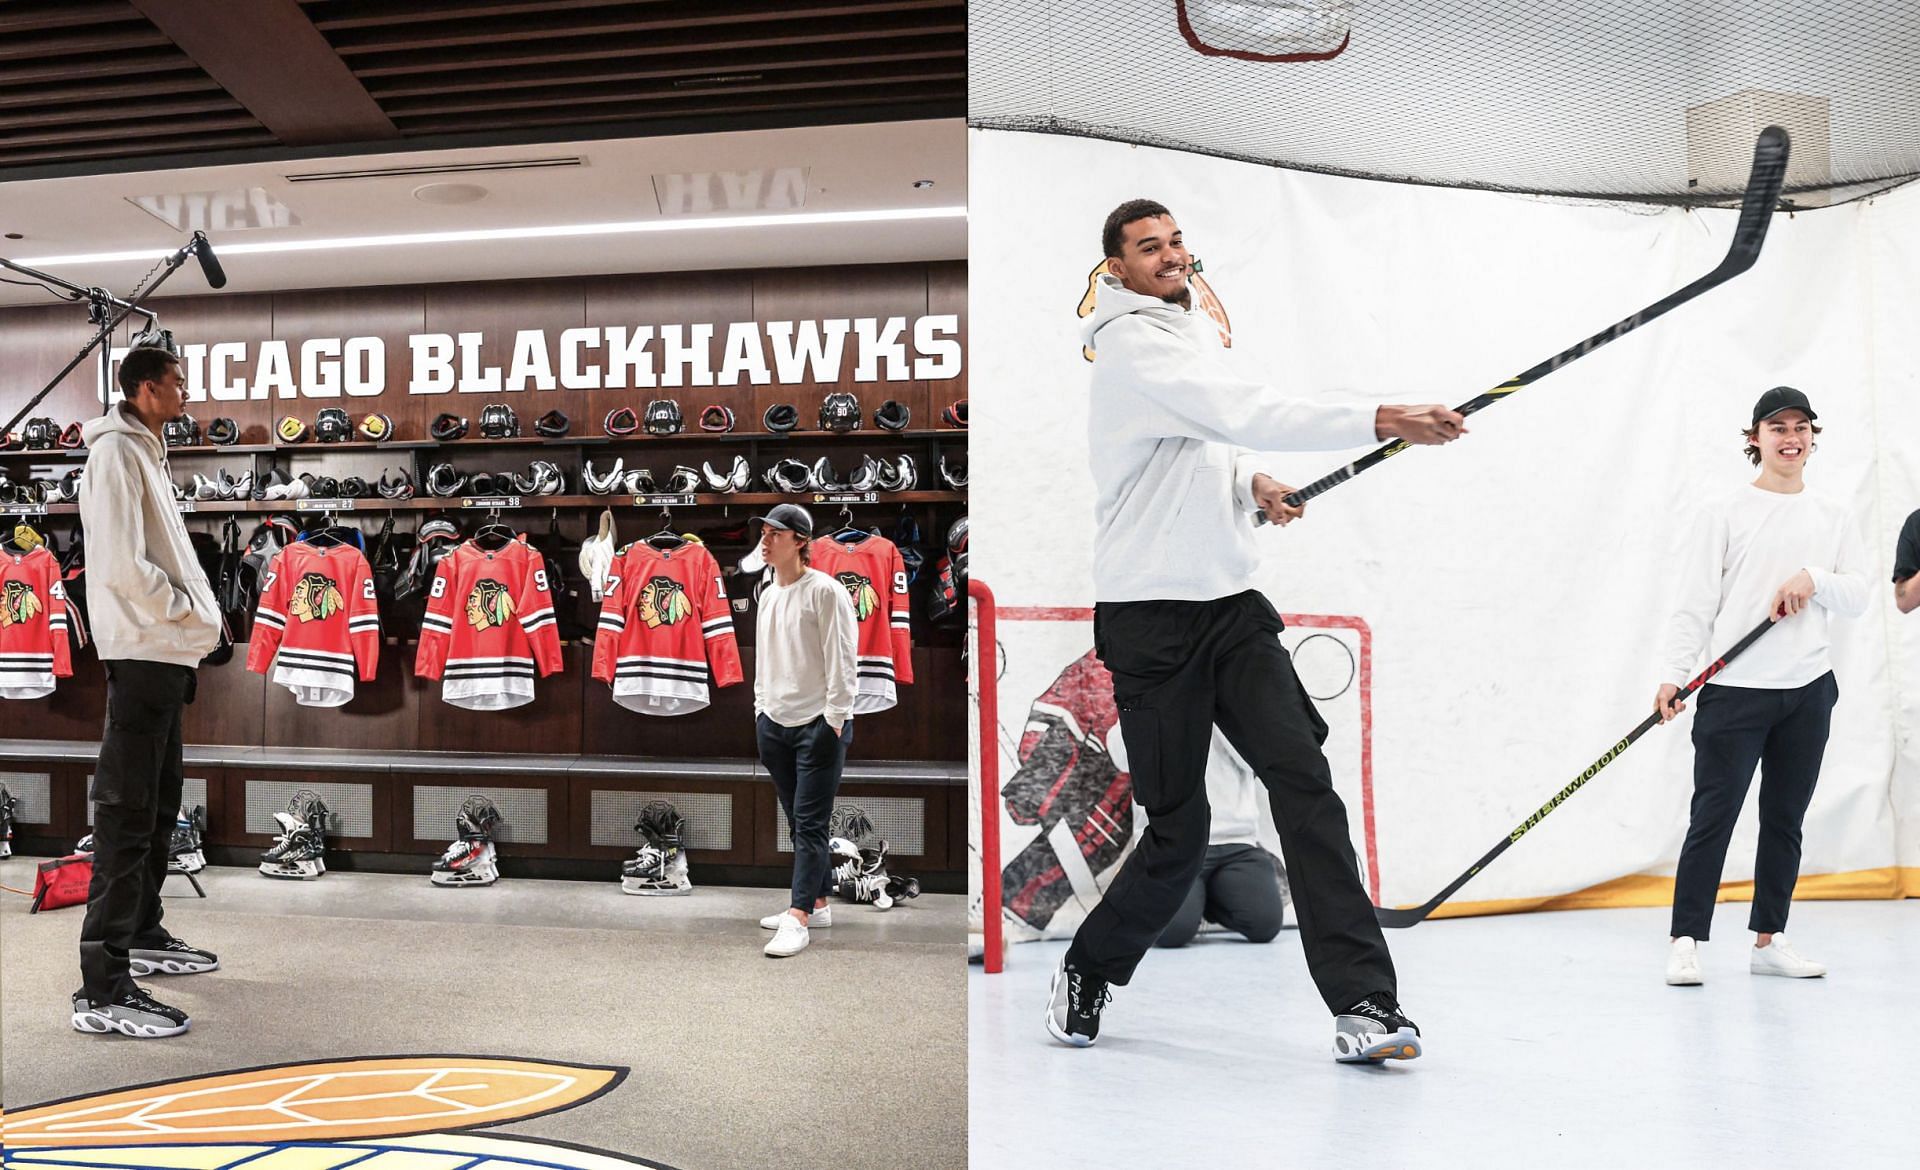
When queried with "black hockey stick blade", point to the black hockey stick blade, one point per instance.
{"points": [[1413, 915], [1749, 233]]}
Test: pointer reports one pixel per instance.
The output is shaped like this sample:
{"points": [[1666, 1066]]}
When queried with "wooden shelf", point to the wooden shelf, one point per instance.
{"points": [[528, 503]]}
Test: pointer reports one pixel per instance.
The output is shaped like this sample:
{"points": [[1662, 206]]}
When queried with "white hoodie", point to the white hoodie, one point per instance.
{"points": [[1168, 426], [147, 596]]}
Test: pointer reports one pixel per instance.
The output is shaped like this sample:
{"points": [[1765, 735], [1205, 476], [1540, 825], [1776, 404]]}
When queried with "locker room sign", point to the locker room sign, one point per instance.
{"points": [[614, 357]]}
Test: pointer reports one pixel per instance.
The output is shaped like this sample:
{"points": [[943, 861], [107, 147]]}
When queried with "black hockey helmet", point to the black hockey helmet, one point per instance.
{"points": [[71, 438], [181, 431], [41, 434], [448, 427], [893, 415], [716, 418], [840, 411], [354, 488], [552, 425], [497, 421], [664, 418], [223, 432], [955, 415], [332, 425], [396, 489]]}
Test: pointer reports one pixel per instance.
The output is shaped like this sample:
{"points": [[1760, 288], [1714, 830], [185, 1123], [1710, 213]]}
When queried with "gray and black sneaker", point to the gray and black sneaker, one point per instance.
{"points": [[1374, 1030], [135, 1014], [175, 958], [1073, 1007]]}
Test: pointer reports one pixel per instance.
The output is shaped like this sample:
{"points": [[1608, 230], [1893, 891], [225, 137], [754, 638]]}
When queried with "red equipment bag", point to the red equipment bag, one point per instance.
{"points": [[62, 882]]}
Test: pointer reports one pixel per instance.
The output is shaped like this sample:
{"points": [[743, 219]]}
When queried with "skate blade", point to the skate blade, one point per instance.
{"points": [[1402, 1045], [465, 881], [655, 891]]}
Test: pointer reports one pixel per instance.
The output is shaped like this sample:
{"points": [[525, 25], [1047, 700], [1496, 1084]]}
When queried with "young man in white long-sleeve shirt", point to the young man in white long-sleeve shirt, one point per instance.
{"points": [[1770, 548], [1190, 644], [805, 673]]}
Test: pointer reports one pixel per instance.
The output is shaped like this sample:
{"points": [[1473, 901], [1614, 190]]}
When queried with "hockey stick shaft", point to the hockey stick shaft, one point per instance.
{"points": [[1413, 915], [1756, 213]]}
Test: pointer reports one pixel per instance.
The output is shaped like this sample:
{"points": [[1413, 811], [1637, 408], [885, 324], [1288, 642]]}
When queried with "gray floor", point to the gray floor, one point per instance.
{"points": [[1552, 1041], [851, 1054]]}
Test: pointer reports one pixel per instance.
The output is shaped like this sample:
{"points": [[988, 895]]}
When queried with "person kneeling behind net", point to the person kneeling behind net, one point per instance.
{"points": [[1238, 886]]}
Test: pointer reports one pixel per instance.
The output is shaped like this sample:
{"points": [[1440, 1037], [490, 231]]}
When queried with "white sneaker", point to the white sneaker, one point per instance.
{"points": [[790, 938], [1683, 963], [821, 918], [1779, 958]]}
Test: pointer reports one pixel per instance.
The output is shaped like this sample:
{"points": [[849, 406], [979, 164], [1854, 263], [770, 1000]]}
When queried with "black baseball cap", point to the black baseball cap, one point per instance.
{"points": [[1778, 399], [791, 517]]}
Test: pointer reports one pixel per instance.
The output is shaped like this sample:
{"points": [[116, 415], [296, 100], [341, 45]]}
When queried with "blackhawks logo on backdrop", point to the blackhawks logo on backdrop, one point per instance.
{"points": [[860, 590], [20, 604], [1203, 296], [315, 599], [664, 602], [489, 605]]}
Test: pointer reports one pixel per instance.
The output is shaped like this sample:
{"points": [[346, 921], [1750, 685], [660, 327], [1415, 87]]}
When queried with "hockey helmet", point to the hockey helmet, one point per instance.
{"points": [[332, 425], [181, 431], [781, 417], [955, 415], [716, 418], [223, 432], [840, 411], [893, 415], [497, 421], [291, 429], [376, 428], [621, 422], [663, 417], [552, 425], [448, 427]]}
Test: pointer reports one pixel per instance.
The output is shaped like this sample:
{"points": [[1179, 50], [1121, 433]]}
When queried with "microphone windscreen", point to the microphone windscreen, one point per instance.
{"points": [[209, 263]]}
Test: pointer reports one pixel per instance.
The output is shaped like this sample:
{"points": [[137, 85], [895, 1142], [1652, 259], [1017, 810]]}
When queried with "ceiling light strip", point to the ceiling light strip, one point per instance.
{"points": [[546, 232]]}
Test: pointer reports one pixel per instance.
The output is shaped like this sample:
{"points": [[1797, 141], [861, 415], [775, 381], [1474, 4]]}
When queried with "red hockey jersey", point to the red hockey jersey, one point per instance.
{"points": [[317, 624], [34, 625], [665, 630], [489, 624], [876, 579]]}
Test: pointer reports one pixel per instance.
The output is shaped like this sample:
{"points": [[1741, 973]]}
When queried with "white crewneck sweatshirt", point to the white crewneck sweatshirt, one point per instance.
{"points": [[1742, 547], [1169, 425], [804, 652]]}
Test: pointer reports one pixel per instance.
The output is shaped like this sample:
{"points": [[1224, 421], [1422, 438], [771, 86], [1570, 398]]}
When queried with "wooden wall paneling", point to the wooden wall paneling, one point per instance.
{"points": [[582, 783], [877, 290], [229, 704], [433, 839], [233, 819], [550, 725], [382, 714], [657, 299], [206, 320], [499, 311], [77, 708], [925, 723], [35, 342], [723, 729], [933, 797], [391, 314]]}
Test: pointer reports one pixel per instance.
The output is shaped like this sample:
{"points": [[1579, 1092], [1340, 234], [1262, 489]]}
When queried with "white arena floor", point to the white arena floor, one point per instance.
{"points": [[1552, 1041]]}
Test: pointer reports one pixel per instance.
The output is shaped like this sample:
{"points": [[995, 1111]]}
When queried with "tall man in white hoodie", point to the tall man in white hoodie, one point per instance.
{"points": [[1190, 644], [1770, 549], [154, 619]]}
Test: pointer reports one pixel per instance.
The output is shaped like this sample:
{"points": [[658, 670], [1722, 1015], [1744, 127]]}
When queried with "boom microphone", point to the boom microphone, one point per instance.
{"points": [[209, 264]]}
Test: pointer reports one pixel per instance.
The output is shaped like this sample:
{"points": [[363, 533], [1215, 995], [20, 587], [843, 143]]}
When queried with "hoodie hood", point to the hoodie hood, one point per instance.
{"points": [[1112, 300], [116, 421]]}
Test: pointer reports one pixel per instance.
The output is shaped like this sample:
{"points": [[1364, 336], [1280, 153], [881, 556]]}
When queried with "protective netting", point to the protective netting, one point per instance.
{"points": [[1651, 100]]}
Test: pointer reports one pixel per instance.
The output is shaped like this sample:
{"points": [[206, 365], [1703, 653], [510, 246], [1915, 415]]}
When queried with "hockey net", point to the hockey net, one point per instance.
{"points": [[1643, 100], [1051, 813]]}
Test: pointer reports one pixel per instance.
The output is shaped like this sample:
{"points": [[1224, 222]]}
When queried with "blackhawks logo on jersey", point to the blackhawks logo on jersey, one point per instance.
{"points": [[489, 605], [664, 602], [860, 590], [315, 599], [20, 604]]}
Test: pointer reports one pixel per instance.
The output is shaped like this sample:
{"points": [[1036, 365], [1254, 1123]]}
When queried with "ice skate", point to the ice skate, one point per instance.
{"points": [[660, 868], [470, 860], [189, 829], [300, 851], [8, 805], [867, 880], [1374, 1030]]}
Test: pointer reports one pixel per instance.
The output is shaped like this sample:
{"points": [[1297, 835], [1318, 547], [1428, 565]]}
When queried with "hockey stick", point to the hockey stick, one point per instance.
{"points": [[1410, 917], [1756, 213]]}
